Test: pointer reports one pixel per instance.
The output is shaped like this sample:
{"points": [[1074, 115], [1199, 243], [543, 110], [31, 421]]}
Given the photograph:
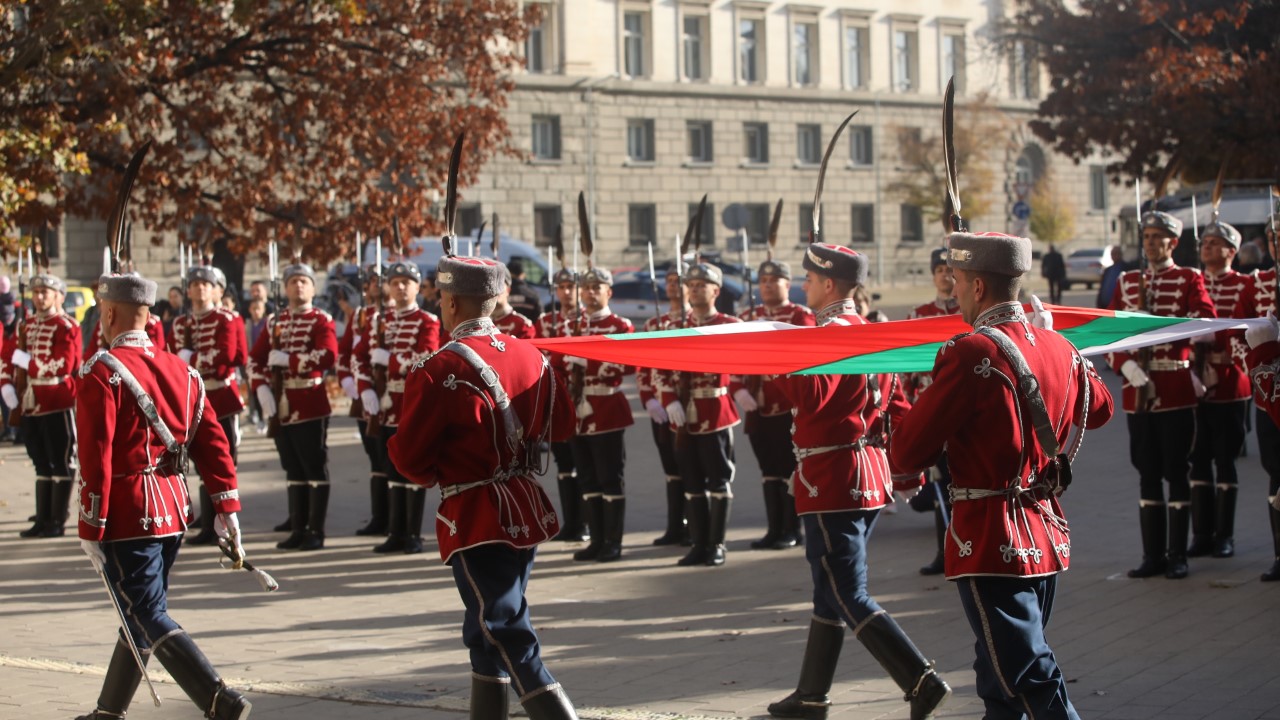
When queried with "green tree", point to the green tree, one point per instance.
{"points": [[302, 121]]}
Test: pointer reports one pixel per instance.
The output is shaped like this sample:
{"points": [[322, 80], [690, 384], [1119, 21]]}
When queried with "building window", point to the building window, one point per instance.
{"points": [[809, 144], [757, 223], [857, 55], [699, 132], [469, 218], [751, 50], [1097, 187], [546, 137], [860, 153], [708, 224], [862, 223], [905, 65], [546, 223], [635, 33], [912, 224], [640, 140], [642, 224], [806, 223], [540, 47], [695, 47], [804, 53], [953, 59], [1024, 72], [755, 143]]}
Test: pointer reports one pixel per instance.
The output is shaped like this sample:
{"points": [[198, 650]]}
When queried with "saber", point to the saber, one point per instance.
{"points": [[267, 582], [133, 647], [653, 285], [815, 230]]}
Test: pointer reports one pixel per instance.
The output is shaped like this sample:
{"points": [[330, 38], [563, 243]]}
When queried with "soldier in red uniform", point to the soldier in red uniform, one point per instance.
{"points": [[599, 451], [1259, 300], [509, 321], [769, 426], [210, 339], [133, 497], [358, 327], [155, 331], [474, 416], [1220, 417], [1008, 536], [406, 335], [561, 323], [934, 497], [704, 422], [43, 358], [657, 390], [841, 483], [301, 345], [1160, 396]]}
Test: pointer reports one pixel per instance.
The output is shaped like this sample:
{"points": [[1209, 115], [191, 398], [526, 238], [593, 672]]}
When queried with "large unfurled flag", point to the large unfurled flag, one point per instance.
{"points": [[771, 348]]}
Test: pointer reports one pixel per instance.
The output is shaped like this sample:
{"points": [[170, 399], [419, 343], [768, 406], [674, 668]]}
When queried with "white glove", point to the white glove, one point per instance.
{"points": [[745, 401], [186, 355], [675, 413], [1256, 336], [227, 525], [380, 356], [580, 362], [278, 358], [1134, 374], [349, 387], [266, 400], [657, 413], [1198, 385], [97, 558], [21, 359], [369, 399], [1040, 317], [10, 395]]}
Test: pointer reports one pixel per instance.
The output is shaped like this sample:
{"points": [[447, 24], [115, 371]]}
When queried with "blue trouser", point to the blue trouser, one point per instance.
{"points": [[835, 544], [492, 580], [138, 571], [1018, 676]]}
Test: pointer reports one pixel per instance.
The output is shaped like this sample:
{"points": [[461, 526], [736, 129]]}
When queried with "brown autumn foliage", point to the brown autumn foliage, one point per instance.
{"points": [[302, 121], [1146, 78]]}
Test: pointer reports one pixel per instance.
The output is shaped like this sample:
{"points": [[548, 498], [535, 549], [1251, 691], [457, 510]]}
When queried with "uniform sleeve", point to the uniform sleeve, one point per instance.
{"points": [[242, 342], [1199, 304], [345, 345], [942, 406], [360, 364], [1264, 364], [97, 407], [415, 448], [211, 452], [259, 373], [1101, 404], [564, 417]]}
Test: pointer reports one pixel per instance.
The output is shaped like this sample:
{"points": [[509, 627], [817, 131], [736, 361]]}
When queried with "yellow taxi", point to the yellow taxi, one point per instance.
{"points": [[78, 301]]}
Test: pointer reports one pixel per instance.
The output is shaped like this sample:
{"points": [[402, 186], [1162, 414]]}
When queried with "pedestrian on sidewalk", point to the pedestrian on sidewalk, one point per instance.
{"points": [[1054, 270], [475, 415]]}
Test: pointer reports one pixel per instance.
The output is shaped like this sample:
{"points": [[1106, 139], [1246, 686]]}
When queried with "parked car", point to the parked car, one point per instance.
{"points": [[1086, 266], [633, 296], [77, 301], [427, 251]]}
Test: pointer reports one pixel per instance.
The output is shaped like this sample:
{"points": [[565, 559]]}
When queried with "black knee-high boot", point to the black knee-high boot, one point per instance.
{"points": [[416, 502], [1179, 522], [772, 513], [817, 671], [297, 495], [718, 515], [44, 503], [1273, 574], [1224, 538], [489, 697], [378, 505], [698, 511], [120, 684], [613, 522], [676, 531], [397, 516], [913, 674], [197, 678], [317, 512], [594, 507], [1152, 519]]}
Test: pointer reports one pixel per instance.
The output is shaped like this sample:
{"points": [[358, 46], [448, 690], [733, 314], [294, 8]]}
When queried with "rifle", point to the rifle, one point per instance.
{"points": [[755, 383], [377, 338], [684, 386], [577, 380], [1146, 393], [277, 374], [653, 285]]}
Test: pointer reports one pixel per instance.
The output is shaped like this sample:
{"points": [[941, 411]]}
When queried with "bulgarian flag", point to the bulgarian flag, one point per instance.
{"points": [[772, 348]]}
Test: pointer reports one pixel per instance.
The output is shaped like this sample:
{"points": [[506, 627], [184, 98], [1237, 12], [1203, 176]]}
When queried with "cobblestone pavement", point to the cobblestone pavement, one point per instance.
{"points": [[351, 634]]}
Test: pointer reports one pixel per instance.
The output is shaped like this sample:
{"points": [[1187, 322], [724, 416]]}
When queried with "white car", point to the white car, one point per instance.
{"points": [[1087, 265]]}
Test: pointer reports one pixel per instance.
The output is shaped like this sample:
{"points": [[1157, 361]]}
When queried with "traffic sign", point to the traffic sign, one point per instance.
{"points": [[1021, 210], [735, 217]]}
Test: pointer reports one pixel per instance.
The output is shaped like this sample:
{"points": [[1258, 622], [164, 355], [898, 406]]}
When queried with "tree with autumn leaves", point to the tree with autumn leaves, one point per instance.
{"points": [[300, 121], [1144, 79]]}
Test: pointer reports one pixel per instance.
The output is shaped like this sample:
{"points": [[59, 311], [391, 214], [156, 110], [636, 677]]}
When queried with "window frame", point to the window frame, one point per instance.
{"points": [[699, 12], [910, 218], [1099, 183], [814, 131], [909, 28], [540, 240], [549, 30], [646, 131], [855, 210], [762, 130], [856, 132], [953, 29], [645, 48], [557, 151], [652, 210], [707, 128], [754, 12], [859, 21], [804, 16]]}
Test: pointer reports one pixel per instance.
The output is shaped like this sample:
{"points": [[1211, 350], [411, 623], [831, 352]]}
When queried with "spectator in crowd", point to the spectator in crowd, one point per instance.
{"points": [[1054, 270], [8, 319], [1111, 276], [523, 297], [258, 290], [254, 325], [429, 296]]}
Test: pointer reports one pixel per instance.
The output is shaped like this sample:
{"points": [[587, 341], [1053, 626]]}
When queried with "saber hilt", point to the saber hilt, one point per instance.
{"points": [[267, 582]]}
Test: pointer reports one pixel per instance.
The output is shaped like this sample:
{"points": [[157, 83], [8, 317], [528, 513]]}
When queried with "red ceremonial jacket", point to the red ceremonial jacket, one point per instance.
{"points": [[710, 407], [357, 328], [1258, 299], [308, 336], [123, 494], [1264, 362], [516, 325], [454, 436], [970, 410], [410, 335], [1172, 291], [556, 323], [839, 434], [155, 331], [1225, 357], [216, 339], [603, 407], [915, 382], [53, 342], [651, 382], [770, 398]]}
